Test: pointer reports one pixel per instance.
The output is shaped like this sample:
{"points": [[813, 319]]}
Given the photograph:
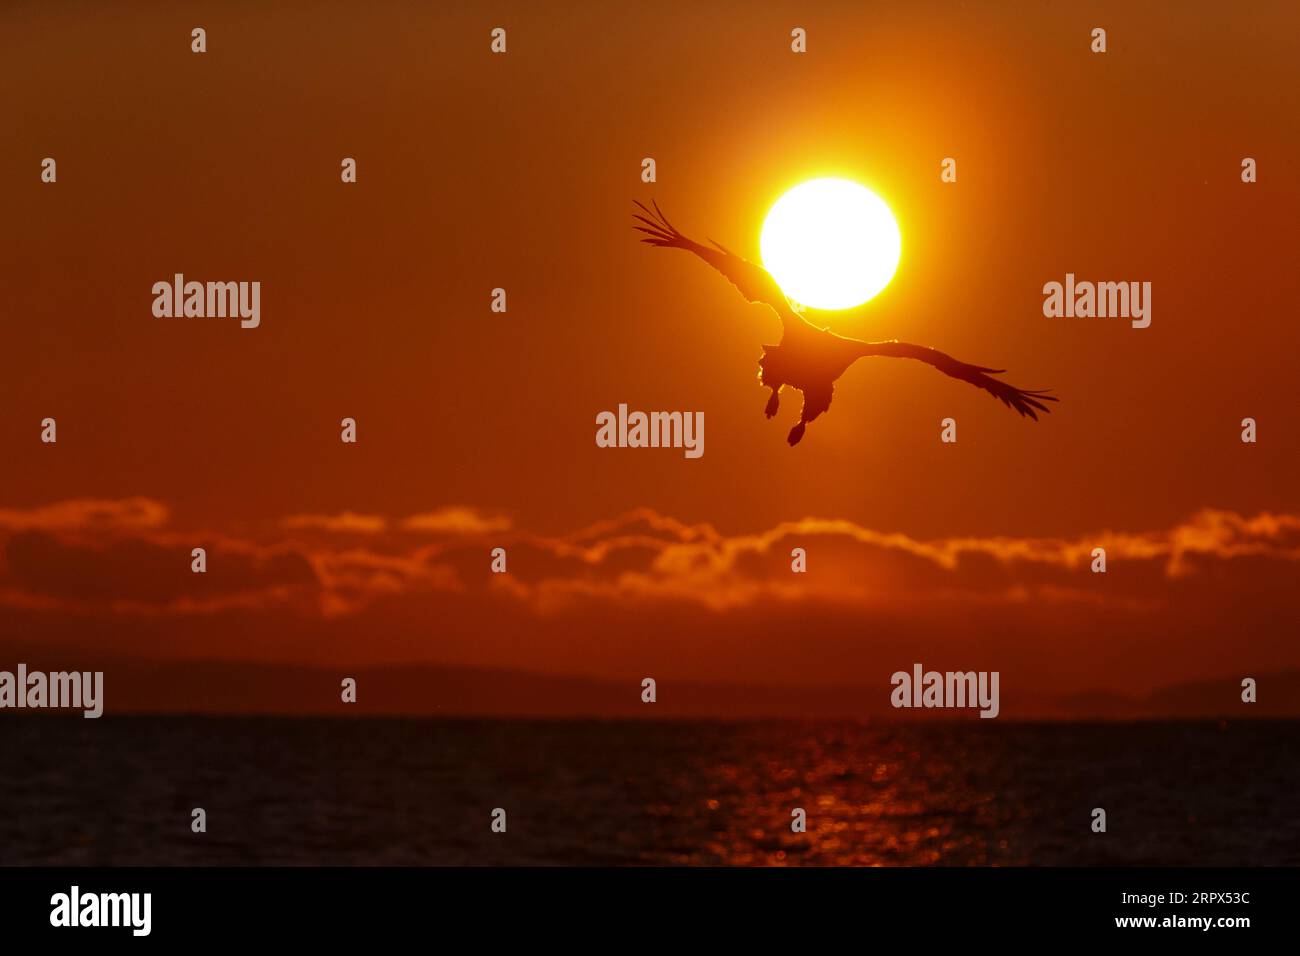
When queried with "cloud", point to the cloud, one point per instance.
{"points": [[139, 574], [122, 556], [644, 593], [457, 521], [644, 555], [352, 579], [87, 514], [345, 522]]}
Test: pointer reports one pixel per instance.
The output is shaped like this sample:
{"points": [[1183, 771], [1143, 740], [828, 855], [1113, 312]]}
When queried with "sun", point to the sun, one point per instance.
{"points": [[830, 243]]}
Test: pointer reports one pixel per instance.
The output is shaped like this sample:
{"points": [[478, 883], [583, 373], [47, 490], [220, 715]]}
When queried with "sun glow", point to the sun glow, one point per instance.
{"points": [[830, 243]]}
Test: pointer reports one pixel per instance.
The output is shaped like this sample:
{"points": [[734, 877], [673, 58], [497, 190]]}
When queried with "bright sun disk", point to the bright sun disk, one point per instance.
{"points": [[830, 243]]}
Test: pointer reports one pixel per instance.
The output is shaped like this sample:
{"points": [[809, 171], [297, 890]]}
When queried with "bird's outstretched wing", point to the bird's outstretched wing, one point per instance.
{"points": [[754, 282], [1024, 401]]}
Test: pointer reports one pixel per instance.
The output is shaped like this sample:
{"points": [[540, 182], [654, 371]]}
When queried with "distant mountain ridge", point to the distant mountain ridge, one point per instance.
{"points": [[134, 685]]}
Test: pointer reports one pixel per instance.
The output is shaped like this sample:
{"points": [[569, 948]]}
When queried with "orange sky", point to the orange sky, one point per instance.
{"points": [[477, 171]]}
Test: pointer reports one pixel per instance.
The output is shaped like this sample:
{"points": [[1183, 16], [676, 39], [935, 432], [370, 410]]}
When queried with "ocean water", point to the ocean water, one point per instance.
{"points": [[120, 790]]}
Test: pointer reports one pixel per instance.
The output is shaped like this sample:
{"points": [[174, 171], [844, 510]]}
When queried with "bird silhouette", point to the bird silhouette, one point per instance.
{"points": [[810, 359]]}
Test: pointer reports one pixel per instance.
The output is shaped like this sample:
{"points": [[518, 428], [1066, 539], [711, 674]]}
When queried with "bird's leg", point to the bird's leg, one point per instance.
{"points": [[774, 402], [816, 399], [769, 377], [796, 433]]}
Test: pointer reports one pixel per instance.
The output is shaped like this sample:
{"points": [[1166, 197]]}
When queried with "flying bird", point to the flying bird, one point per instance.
{"points": [[810, 359]]}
